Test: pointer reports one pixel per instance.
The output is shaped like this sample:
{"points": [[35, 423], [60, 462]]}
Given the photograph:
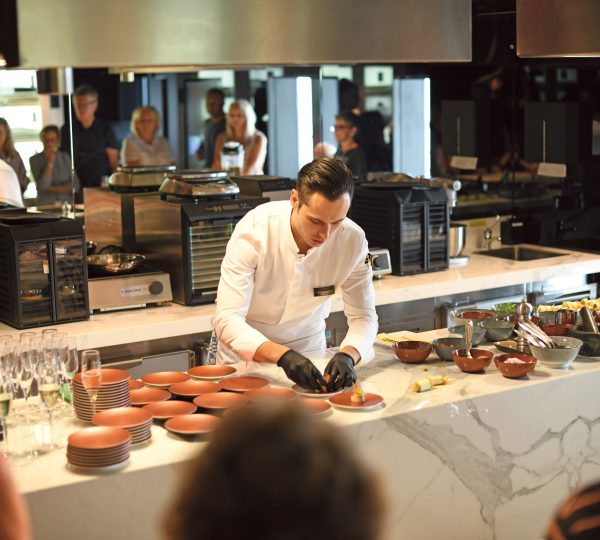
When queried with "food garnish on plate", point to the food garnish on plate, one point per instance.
{"points": [[358, 394]]}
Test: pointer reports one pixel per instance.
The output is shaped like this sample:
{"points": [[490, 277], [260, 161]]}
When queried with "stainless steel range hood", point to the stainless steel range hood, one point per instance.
{"points": [[558, 28], [126, 34]]}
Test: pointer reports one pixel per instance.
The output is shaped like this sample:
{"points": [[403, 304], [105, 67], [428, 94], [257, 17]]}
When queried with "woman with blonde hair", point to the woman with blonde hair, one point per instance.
{"points": [[241, 128], [144, 146], [10, 155]]}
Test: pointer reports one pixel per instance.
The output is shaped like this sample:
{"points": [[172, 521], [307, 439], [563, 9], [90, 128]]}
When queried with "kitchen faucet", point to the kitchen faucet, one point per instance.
{"points": [[488, 236]]}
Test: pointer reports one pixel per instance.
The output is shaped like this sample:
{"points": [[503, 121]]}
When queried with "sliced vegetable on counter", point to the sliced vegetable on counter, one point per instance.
{"points": [[427, 383]]}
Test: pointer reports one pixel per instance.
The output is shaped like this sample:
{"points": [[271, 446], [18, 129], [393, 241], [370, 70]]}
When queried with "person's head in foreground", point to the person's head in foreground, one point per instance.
{"points": [[577, 518], [276, 474]]}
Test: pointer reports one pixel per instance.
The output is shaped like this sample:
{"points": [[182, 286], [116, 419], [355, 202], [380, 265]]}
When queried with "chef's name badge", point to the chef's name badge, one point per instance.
{"points": [[324, 291]]}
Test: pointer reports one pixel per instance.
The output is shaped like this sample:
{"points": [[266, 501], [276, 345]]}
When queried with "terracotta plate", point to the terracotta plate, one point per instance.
{"points": [[315, 406], [220, 400], [97, 470], [164, 379], [243, 384], [306, 392], [192, 424], [99, 437], [125, 417], [135, 384], [161, 410], [271, 394], [194, 387], [211, 372], [97, 455], [109, 376], [343, 401], [143, 396]]}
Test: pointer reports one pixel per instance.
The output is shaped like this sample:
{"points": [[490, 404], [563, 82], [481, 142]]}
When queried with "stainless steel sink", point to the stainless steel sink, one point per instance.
{"points": [[520, 253]]}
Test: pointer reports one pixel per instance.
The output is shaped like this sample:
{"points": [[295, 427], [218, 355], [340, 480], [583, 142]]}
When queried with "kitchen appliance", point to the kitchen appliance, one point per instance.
{"points": [[275, 188], [185, 231], [381, 264], [43, 271], [108, 213], [410, 220], [144, 287], [139, 178], [457, 238]]}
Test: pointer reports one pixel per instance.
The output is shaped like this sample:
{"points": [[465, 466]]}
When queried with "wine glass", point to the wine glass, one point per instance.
{"points": [[6, 396], [48, 382], [91, 375], [70, 364], [25, 370]]}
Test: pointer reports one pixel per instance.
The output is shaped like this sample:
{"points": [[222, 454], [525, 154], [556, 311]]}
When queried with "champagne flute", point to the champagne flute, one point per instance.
{"points": [[48, 381], [6, 395], [25, 370], [70, 364], [91, 375]]}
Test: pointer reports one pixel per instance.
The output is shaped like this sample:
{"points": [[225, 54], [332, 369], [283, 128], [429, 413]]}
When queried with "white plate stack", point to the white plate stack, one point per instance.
{"points": [[98, 447], [114, 392]]}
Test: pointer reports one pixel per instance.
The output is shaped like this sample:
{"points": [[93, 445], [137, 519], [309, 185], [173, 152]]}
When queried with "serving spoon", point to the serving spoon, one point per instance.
{"points": [[468, 337]]}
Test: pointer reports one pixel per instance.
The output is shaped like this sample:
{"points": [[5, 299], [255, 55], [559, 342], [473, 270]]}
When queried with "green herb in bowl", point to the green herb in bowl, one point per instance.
{"points": [[508, 308]]}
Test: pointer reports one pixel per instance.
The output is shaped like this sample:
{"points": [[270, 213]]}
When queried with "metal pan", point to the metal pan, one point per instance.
{"points": [[114, 263]]}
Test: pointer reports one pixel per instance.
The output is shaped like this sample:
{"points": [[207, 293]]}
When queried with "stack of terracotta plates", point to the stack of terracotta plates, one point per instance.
{"points": [[137, 421], [114, 392], [98, 447]]}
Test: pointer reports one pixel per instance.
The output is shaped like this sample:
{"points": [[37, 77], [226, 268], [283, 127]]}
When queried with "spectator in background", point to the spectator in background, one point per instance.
{"points": [[96, 151], [15, 523], [276, 474], [143, 146], [215, 98], [10, 155], [378, 154], [577, 518], [51, 169], [349, 153], [241, 127], [324, 149]]}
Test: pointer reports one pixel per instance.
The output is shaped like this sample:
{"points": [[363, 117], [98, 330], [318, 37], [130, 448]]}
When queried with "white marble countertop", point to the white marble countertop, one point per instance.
{"points": [[385, 375], [482, 272]]}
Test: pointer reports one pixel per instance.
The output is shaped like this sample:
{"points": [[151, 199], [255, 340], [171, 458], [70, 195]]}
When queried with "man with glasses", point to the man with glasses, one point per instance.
{"points": [[349, 153], [95, 146]]}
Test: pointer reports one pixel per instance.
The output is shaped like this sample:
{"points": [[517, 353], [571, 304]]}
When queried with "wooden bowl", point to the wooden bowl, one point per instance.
{"points": [[412, 352], [480, 359], [514, 371]]}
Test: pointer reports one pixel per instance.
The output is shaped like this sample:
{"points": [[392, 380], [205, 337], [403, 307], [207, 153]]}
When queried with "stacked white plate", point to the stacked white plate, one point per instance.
{"points": [[114, 392], [98, 447], [135, 420]]}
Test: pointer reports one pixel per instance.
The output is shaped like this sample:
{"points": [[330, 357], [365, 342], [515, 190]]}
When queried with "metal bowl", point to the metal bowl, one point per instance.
{"points": [[114, 263]]}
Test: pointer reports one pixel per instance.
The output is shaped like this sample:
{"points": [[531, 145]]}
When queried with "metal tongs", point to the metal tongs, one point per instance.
{"points": [[534, 335]]}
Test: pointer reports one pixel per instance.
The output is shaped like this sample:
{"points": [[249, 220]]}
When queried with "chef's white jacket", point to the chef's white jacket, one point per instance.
{"points": [[10, 190], [267, 288]]}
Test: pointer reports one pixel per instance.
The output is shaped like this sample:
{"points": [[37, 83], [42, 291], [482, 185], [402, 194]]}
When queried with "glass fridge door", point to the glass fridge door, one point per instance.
{"points": [[70, 279], [34, 284]]}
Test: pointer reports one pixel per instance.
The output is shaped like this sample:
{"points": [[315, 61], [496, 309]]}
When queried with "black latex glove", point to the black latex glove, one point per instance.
{"points": [[341, 372], [301, 370]]}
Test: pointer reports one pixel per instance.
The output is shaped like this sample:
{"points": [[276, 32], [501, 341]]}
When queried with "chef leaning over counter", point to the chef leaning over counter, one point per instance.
{"points": [[283, 263]]}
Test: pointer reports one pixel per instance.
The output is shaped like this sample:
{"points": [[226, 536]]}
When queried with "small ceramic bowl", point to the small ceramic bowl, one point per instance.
{"points": [[514, 370], [561, 357], [478, 332], [557, 329], [591, 341], [480, 359], [461, 316], [443, 347], [496, 330], [412, 352]]}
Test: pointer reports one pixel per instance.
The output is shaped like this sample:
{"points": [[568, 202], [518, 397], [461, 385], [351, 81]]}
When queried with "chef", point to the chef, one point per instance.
{"points": [[284, 262]]}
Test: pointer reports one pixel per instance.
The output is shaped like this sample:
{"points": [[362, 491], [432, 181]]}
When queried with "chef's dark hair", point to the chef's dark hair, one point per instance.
{"points": [[326, 176], [276, 473]]}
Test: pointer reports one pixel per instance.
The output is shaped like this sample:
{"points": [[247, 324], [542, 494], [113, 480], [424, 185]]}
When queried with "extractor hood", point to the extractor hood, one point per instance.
{"points": [[125, 34], [558, 28]]}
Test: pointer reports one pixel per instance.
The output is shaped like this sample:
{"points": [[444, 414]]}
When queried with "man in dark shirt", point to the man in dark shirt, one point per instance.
{"points": [[213, 126], [349, 153], [95, 146]]}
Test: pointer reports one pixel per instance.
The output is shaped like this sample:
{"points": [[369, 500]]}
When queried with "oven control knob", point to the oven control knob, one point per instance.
{"points": [[156, 287]]}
